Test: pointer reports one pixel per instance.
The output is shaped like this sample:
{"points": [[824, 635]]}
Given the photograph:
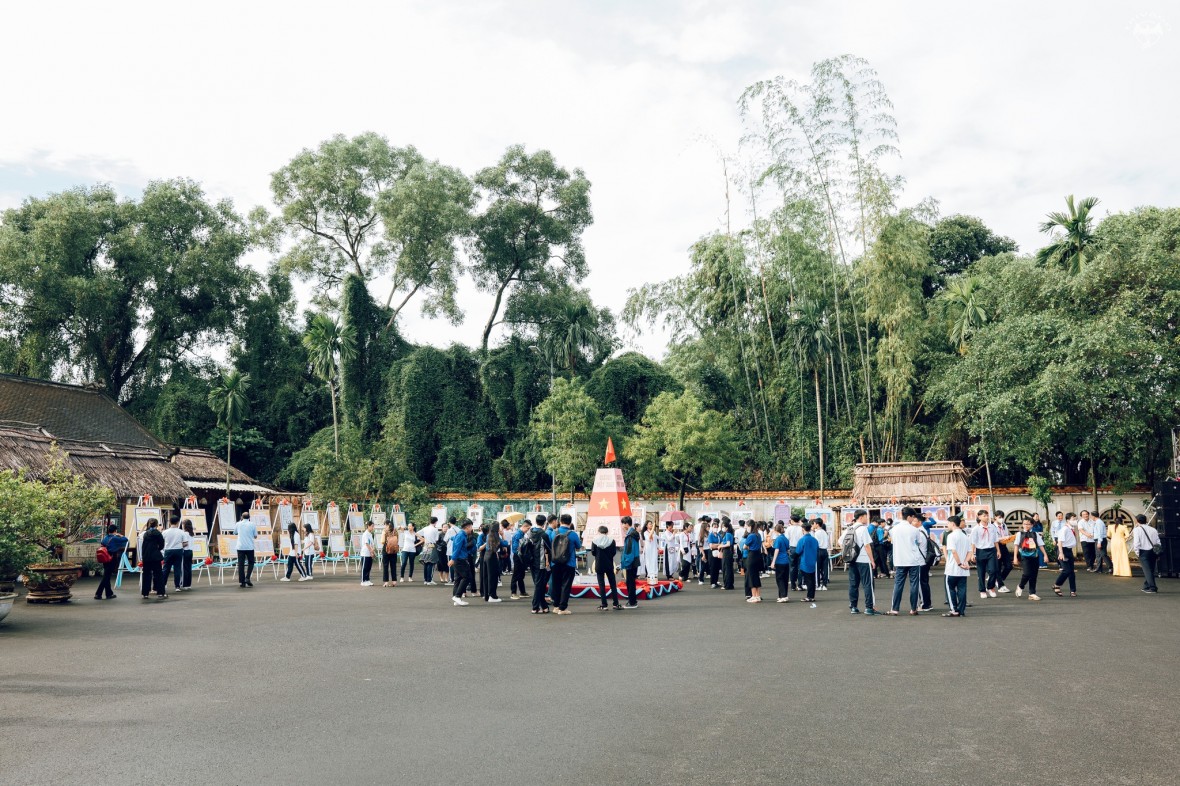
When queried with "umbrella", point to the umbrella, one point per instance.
{"points": [[674, 515], [512, 518]]}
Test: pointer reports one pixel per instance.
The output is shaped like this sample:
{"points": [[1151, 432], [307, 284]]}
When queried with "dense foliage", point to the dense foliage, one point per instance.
{"points": [[841, 324]]}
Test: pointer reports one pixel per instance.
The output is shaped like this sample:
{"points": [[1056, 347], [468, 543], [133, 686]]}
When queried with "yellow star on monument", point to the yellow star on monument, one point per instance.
{"points": [[623, 504], [602, 503]]}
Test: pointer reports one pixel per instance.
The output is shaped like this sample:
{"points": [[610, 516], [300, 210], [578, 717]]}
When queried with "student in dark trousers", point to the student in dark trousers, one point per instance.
{"points": [[1144, 539], [808, 550], [519, 568], [958, 567], [565, 559], [186, 579], [1004, 561], [727, 540], [603, 550], [780, 558], [629, 562], [460, 563], [151, 555], [115, 544], [1029, 549], [537, 553], [1066, 542]]}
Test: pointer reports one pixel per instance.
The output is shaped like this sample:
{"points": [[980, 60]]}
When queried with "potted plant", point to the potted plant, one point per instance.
{"points": [[75, 504], [25, 523]]}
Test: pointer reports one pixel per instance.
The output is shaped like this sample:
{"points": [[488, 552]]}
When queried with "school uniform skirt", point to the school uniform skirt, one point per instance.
{"points": [[754, 570]]}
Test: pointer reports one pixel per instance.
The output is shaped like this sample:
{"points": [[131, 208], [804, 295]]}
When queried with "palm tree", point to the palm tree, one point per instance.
{"points": [[328, 344], [575, 329], [812, 345], [1071, 248], [967, 313], [228, 401]]}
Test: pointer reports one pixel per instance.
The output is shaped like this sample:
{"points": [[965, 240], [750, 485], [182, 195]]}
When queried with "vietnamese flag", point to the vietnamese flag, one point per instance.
{"points": [[610, 451]]}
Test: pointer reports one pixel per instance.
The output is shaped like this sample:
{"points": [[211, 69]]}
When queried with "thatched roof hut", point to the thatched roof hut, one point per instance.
{"points": [[128, 470], [909, 482]]}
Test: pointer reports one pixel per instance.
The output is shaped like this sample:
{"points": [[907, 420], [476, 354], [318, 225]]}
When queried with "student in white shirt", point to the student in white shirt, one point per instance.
{"points": [[1086, 536], [1066, 542], [311, 547], [823, 559], [860, 572], [409, 549], [429, 536], [958, 567], [908, 559], [247, 532], [294, 556], [367, 554], [984, 536], [174, 551], [1144, 540]]}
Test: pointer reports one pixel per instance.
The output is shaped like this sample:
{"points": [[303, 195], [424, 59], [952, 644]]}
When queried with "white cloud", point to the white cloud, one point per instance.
{"points": [[1003, 109]]}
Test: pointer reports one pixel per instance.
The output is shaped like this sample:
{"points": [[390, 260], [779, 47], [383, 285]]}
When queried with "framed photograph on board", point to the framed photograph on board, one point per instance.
{"points": [[227, 516], [334, 523], [200, 548], [336, 543]]}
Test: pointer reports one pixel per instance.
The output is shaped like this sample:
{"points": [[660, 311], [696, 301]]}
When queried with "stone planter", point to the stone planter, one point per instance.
{"points": [[6, 601], [50, 583]]}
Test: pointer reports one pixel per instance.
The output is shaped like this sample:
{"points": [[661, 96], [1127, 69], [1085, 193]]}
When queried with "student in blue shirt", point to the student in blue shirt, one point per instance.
{"points": [[115, 545], [781, 560], [752, 548], [629, 562], [726, 554], [459, 564], [713, 543], [563, 573], [518, 567], [808, 549]]}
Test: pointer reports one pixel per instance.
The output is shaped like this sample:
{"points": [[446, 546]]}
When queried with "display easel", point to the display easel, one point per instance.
{"points": [[225, 517], [356, 519], [378, 519], [309, 515], [286, 514], [475, 513], [145, 508], [332, 522], [440, 512], [191, 512], [399, 517]]}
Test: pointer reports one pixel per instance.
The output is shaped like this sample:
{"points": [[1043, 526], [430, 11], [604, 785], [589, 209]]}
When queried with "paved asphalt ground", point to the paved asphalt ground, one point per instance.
{"points": [[328, 682]]}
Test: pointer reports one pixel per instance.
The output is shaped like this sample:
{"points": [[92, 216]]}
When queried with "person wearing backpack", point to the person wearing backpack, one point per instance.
{"points": [[519, 567], [958, 567], [565, 560], [114, 544], [1028, 549], [537, 553], [931, 553], [857, 554], [389, 557], [629, 562]]}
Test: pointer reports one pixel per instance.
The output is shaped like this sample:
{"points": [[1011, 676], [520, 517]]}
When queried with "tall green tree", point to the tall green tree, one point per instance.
{"points": [[117, 291], [812, 344], [680, 443], [1073, 235], [567, 430], [957, 242], [528, 235], [966, 312], [328, 344], [227, 399], [363, 369]]}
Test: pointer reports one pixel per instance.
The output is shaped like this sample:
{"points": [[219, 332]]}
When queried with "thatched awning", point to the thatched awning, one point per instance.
{"points": [[128, 470], [909, 482], [197, 464]]}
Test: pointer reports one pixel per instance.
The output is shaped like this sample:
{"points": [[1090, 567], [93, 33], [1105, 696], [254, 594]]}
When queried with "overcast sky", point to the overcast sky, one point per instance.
{"points": [[1002, 107]]}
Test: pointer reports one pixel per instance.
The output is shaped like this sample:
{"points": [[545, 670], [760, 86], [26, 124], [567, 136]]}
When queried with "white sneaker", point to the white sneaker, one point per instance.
{"points": [[812, 605], [1033, 597], [459, 601], [992, 593], [751, 600], [366, 583], [409, 579], [493, 600], [1005, 589], [1019, 592], [983, 594], [284, 578], [306, 578]]}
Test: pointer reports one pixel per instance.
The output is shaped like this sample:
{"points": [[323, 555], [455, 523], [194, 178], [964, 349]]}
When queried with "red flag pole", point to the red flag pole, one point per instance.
{"points": [[610, 452]]}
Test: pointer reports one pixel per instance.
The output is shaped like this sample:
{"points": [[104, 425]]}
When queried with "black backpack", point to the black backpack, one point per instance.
{"points": [[849, 550], [933, 552], [561, 548], [1029, 537]]}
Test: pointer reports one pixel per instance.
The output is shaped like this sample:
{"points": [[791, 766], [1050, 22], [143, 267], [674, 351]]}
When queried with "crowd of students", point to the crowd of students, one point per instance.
{"points": [[797, 554]]}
